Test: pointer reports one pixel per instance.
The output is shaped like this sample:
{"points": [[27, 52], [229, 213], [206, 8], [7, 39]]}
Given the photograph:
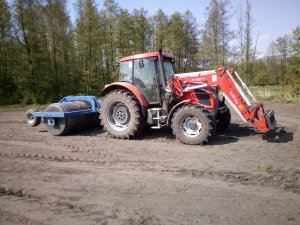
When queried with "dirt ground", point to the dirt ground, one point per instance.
{"points": [[240, 177]]}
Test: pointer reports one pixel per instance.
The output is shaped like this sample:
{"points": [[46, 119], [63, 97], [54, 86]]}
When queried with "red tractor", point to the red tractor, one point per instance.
{"points": [[149, 93]]}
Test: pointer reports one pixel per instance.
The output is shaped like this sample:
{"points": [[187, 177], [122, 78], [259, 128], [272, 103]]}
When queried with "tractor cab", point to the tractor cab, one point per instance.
{"points": [[148, 72]]}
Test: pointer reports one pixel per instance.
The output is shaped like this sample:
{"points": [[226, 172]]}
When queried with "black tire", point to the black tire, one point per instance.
{"points": [[121, 115], [193, 125], [61, 126], [223, 120], [30, 119]]}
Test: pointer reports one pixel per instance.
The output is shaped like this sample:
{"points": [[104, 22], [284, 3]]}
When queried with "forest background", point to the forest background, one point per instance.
{"points": [[45, 56]]}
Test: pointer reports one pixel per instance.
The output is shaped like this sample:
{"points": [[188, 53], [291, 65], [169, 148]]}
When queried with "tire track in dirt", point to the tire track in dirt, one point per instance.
{"points": [[16, 193], [67, 158], [39, 142], [12, 121], [57, 158], [82, 211], [63, 206], [72, 209], [51, 145], [287, 180], [114, 164], [11, 218]]}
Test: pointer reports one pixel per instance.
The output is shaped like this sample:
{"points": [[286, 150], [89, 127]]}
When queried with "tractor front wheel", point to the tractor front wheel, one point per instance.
{"points": [[121, 115], [193, 125]]}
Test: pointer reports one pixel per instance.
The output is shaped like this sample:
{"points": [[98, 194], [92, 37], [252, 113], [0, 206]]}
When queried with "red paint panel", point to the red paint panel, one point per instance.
{"points": [[191, 95]]}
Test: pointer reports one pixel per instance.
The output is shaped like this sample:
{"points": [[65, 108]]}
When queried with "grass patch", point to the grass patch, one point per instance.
{"points": [[278, 94]]}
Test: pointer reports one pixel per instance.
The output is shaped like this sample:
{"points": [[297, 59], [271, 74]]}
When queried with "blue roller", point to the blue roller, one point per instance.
{"points": [[70, 114]]}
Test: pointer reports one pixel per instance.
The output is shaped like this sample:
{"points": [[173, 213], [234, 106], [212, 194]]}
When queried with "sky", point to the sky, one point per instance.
{"points": [[273, 18]]}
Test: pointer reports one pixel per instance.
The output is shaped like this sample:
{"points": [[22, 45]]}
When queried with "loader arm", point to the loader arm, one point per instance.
{"points": [[232, 87]]}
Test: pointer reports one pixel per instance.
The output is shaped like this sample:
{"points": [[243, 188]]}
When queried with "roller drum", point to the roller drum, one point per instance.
{"points": [[72, 124]]}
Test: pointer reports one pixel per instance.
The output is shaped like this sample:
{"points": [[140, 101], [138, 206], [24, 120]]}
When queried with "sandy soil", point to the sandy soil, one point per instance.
{"points": [[241, 177]]}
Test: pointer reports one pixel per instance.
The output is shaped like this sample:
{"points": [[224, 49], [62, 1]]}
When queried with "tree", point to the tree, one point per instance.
{"points": [[29, 30], [110, 15], [125, 34], [216, 35], [293, 69], [142, 31], [58, 35], [160, 33], [272, 64], [296, 41], [283, 62], [190, 41], [8, 86], [247, 42], [88, 33], [283, 45], [175, 38]]}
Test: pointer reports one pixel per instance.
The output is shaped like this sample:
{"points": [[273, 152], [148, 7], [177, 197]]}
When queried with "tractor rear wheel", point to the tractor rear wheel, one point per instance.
{"points": [[193, 125], [121, 115], [223, 120]]}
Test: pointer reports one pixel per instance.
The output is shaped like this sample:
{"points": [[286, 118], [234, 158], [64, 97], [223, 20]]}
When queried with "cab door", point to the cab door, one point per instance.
{"points": [[145, 77]]}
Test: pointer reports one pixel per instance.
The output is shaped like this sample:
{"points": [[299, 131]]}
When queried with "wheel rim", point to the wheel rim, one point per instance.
{"points": [[118, 116], [191, 126], [30, 118]]}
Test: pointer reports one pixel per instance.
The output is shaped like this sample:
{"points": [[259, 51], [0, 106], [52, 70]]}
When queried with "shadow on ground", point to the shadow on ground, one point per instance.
{"points": [[236, 131], [233, 134], [280, 135], [152, 134], [92, 132]]}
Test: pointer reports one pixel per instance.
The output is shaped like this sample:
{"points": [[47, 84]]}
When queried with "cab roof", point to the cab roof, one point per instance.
{"points": [[146, 55]]}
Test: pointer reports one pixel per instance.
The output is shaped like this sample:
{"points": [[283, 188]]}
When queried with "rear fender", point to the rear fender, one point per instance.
{"points": [[129, 87]]}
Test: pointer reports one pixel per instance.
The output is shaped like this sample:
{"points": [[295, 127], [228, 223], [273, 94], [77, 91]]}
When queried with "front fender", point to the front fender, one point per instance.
{"points": [[174, 109]]}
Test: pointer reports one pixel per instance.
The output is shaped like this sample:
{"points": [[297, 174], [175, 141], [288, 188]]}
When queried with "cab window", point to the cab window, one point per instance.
{"points": [[144, 72], [169, 68], [145, 78], [126, 71]]}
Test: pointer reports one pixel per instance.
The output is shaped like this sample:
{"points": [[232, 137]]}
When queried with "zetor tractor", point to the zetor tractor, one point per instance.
{"points": [[149, 93]]}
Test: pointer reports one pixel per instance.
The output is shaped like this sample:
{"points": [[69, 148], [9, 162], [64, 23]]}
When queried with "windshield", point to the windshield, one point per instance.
{"points": [[169, 69]]}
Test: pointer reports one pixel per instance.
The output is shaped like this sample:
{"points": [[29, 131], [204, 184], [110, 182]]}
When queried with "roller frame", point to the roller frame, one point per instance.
{"points": [[52, 115]]}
